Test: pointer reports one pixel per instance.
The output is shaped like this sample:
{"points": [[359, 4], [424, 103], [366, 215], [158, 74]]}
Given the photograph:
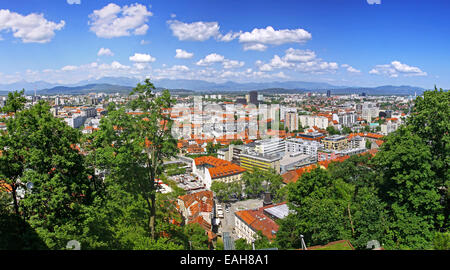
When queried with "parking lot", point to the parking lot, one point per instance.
{"points": [[227, 222]]}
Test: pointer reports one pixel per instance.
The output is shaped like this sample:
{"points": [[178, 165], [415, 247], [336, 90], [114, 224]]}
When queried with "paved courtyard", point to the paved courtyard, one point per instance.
{"points": [[227, 223]]}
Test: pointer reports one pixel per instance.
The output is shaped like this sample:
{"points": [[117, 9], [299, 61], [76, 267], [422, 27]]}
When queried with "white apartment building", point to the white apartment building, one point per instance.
{"points": [[311, 121], [305, 147], [291, 121], [369, 111], [389, 127], [75, 121], [268, 147], [345, 119]]}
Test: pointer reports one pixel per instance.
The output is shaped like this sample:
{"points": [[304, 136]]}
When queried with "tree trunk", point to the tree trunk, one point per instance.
{"points": [[14, 195], [152, 195], [350, 217]]}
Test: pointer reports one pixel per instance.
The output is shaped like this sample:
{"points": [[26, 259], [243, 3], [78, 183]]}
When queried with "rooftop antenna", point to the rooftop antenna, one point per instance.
{"points": [[303, 242]]}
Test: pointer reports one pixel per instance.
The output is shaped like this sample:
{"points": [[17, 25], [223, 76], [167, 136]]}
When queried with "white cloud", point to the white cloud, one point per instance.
{"points": [[69, 68], [142, 58], [114, 65], [114, 21], [217, 58], [173, 15], [371, 2], [277, 62], [181, 54], [105, 51], [293, 55], [32, 28], [396, 68], [255, 47], [270, 36], [350, 68], [211, 59], [228, 64], [196, 31], [230, 36], [144, 42], [71, 2], [304, 61]]}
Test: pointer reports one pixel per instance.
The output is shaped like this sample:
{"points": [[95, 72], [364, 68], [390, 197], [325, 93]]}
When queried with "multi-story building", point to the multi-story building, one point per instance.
{"points": [[249, 222], [75, 121], [293, 161], [251, 161], [209, 169], [291, 121], [197, 208], [314, 121], [369, 111], [89, 112], [346, 119], [297, 145], [335, 142], [389, 127], [269, 147]]}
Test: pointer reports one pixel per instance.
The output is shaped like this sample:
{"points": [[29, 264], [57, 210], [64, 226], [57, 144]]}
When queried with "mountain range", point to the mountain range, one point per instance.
{"points": [[125, 85]]}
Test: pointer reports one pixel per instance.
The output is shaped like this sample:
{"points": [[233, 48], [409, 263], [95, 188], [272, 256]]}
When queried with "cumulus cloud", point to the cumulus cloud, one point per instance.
{"points": [[258, 38], [32, 28], [228, 64], [396, 68], [350, 68], [211, 59], [182, 54], [294, 55], [105, 51], [114, 21], [230, 36], [196, 31], [69, 68], [217, 58], [72, 2], [304, 61], [372, 2], [142, 58], [255, 47]]}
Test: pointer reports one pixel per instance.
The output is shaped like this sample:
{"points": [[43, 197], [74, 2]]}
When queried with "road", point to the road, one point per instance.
{"points": [[227, 223]]}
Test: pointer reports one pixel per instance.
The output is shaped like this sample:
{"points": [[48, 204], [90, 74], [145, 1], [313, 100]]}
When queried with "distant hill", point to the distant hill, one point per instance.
{"points": [[86, 89], [125, 84]]}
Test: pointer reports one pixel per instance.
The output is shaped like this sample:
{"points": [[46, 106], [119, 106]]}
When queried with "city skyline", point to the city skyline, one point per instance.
{"points": [[352, 43]]}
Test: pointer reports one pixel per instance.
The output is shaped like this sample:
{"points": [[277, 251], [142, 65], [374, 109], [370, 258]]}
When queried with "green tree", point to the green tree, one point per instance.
{"points": [[132, 148], [241, 244], [430, 120], [259, 181], [346, 130], [40, 149], [197, 237], [407, 184], [332, 131], [320, 208], [14, 102]]}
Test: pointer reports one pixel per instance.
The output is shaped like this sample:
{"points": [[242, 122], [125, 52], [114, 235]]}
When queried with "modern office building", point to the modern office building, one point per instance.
{"points": [[268, 147], [251, 161], [253, 97]]}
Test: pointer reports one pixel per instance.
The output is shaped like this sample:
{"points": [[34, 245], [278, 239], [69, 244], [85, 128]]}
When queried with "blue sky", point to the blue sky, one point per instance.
{"points": [[342, 42]]}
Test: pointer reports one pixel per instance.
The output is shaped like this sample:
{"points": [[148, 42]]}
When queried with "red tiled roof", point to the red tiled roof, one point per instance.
{"points": [[258, 221], [4, 187], [227, 170]]}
